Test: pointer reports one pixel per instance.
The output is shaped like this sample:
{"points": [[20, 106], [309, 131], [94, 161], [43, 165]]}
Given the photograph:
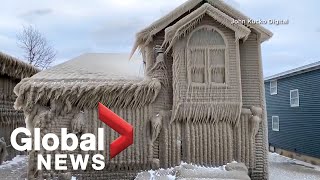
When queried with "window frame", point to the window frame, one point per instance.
{"points": [[276, 87], [204, 66], [208, 69], [207, 50], [273, 119], [291, 98]]}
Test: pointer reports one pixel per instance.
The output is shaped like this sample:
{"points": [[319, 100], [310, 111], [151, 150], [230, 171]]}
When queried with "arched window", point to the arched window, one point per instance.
{"points": [[206, 56]]}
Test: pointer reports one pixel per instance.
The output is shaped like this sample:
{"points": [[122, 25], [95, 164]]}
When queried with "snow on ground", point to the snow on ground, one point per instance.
{"points": [[274, 157], [14, 169], [170, 173], [283, 168], [15, 162]]}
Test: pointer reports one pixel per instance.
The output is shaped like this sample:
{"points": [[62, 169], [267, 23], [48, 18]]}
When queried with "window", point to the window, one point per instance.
{"points": [[294, 98], [206, 56], [275, 123], [273, 87]]}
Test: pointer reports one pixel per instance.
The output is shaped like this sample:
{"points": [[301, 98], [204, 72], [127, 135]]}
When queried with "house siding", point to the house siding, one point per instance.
{"points": [[253, 95], [250, 71], [10, 119], [299, 126]]}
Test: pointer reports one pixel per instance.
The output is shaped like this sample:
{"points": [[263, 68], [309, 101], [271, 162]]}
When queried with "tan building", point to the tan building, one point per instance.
{"points": [[11, 72], [201, 100]]}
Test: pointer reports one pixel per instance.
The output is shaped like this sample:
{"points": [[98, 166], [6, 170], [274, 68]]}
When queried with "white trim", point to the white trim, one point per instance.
{"points": [[291, 98], [273, 119], [272, 92], [302, 69]]}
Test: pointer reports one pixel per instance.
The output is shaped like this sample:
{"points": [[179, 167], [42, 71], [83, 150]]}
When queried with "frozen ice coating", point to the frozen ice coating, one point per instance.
{"points": [[12, 71], [201, 100], [223, 96], [15, 68], [182, 27], [3, 150]]}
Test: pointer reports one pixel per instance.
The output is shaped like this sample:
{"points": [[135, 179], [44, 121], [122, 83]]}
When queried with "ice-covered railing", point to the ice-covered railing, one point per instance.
{"points": [[215, 144]]}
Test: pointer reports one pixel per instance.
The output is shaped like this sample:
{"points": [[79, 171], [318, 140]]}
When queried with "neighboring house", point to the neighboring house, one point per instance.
{"points": [[201, 99], [11, 72], [293, 108]]}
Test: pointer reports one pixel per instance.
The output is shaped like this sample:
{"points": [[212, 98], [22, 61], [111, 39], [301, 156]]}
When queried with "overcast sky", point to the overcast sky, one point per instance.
{"points": [[75, 27]]}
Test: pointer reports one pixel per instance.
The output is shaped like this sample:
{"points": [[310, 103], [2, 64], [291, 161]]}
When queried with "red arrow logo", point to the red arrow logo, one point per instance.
{"points": [[120, 126]]}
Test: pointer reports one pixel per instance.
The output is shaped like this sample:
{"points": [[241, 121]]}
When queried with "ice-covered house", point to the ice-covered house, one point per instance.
{"points": [[12, 71], [201, 100]]}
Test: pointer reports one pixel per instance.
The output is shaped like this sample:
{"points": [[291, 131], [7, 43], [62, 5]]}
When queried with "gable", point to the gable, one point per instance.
{"points": [[187, 23], [145, 36]]}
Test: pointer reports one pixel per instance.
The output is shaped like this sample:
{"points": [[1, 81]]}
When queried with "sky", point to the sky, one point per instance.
{"points": [[75, 27]]}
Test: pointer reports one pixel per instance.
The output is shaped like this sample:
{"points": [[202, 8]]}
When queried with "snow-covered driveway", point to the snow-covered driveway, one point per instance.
{"points": [[283, 168]]}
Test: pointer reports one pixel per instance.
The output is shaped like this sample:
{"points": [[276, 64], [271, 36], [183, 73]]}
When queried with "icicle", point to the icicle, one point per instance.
{"points": [[156, 124], [79, 124], [16, 68], [255, 121], [133, 94], [185, 25]]}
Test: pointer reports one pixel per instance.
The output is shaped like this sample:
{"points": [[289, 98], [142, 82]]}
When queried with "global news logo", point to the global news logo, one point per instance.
{"points": [[87, 142]]}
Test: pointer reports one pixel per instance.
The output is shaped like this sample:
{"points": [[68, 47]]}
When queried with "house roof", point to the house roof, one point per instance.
{"points": [[97, 66], [15, 68], [295, 71], [87, 80], [145, 36], [180, 28]]}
